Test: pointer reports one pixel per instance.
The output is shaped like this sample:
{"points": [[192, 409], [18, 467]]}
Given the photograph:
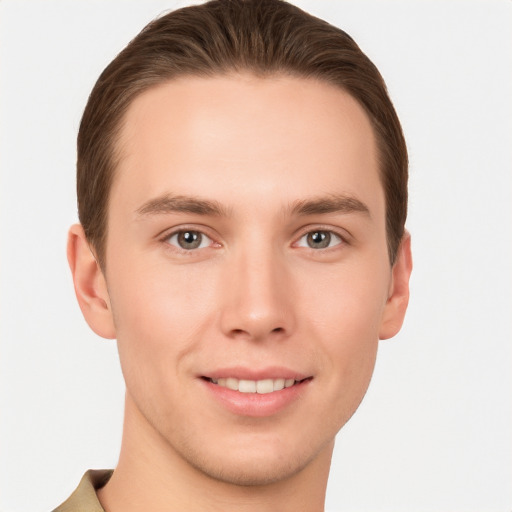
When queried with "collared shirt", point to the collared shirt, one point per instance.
{"points": [[84, 498]]}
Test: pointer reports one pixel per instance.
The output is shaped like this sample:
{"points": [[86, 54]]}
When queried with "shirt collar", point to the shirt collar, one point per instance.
{"points": [[84, 498]]}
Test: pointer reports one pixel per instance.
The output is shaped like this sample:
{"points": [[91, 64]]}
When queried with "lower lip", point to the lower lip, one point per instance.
{"points": [[256, 404]]}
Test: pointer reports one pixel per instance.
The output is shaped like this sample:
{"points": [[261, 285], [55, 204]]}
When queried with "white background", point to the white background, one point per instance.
{"points": [[435, 430]]}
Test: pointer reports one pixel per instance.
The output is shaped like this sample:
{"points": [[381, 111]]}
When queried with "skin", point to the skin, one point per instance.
{"points": [[255, 294]]}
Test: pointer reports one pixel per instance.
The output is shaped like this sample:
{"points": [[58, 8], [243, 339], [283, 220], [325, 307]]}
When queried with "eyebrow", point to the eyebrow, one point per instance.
{"points": [[168, 203], [333, 203]]}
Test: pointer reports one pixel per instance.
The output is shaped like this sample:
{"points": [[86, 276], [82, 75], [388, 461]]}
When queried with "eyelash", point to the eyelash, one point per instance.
{"points": [[344, 239], [166, 239], [338, 239]]}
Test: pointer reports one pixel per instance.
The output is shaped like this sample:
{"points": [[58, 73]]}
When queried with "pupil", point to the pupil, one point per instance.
{"points": [[319, 239], [189, 239]]}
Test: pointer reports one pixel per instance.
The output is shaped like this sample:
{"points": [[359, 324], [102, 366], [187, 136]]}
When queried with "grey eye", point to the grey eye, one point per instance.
{"points": [[319, 239], [189, 240]]}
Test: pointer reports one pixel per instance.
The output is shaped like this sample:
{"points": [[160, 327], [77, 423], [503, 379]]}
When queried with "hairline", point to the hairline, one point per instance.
{"points": [[116, 153]]}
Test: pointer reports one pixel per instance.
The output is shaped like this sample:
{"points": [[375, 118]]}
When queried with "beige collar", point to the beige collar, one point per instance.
{"points": [[84, 498]]}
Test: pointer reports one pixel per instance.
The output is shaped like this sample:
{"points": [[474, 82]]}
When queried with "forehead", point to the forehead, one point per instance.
{"points": [[241, 137]]}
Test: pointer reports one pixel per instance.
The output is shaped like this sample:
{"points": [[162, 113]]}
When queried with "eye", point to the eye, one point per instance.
{"points": [[319, 239], [189, 239]]}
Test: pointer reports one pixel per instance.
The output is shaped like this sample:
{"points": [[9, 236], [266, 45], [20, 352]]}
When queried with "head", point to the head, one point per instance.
{"points": [[242, 188], [264, 38]]}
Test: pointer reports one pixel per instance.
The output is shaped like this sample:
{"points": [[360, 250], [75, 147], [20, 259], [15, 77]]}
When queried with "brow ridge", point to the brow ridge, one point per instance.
{"points": [[168, 203], [333, 203]]}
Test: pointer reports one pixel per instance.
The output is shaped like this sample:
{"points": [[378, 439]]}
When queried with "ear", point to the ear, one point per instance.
{"points": [[90, 285], [396, 305]]}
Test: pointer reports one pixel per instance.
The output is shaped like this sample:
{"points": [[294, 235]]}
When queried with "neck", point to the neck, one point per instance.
{"points": [[151, 475]]}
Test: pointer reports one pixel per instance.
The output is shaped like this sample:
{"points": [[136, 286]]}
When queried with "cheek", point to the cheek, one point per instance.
{"points": [[347, 301], [159, 313], [349, 352], [346, 314]]}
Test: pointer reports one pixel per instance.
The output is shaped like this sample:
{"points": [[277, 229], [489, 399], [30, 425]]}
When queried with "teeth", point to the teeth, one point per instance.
{"points": [[254, 386], [232, 384], [247, 386], [265, 386], [279, 384]]}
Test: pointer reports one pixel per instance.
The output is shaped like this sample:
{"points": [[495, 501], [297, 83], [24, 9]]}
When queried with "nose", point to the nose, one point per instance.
{"points": [[257, 301]]}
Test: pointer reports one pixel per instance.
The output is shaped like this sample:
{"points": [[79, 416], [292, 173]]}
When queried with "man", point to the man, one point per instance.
{"points": [[242, 192]]}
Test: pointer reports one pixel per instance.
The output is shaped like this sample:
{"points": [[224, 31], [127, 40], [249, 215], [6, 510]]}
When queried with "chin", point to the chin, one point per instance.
{"points": [[251, 472], [259, 464]]}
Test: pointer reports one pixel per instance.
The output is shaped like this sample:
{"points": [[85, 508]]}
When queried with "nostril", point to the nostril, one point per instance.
{"points": [[243, 332]]}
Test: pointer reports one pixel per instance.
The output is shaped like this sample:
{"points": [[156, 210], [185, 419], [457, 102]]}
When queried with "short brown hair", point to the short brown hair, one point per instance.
{"points": [[261, 36]]}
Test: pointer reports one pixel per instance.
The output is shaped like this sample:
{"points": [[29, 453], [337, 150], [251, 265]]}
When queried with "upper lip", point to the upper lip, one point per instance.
{"points": [[246, 373]]}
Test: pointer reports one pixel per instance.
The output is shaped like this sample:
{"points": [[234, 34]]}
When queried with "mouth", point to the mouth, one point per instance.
{"points": [[257, 393], [264, 386]]}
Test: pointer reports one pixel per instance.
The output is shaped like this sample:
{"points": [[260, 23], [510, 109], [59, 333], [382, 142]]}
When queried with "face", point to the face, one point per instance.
{"points": [[247, 269]]}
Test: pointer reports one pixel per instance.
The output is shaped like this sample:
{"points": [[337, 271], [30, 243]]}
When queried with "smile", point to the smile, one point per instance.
{"points": [[254, 386], [268, 392]]}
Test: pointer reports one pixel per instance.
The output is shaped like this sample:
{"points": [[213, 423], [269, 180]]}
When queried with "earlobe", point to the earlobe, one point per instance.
{"points": [[90, 285], [398, 299]]}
